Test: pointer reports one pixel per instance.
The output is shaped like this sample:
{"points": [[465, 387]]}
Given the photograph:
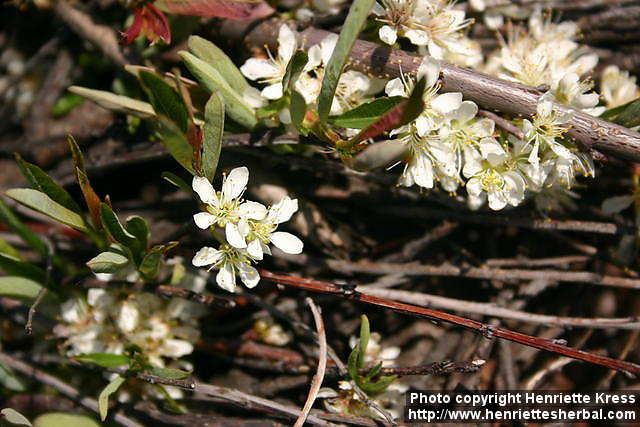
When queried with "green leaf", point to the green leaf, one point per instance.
{"points": [[356, 19], [150, 265], [17, 226], [298, 109], [19, 288], [14, 417], [107, 262], [61, 419], [15, 267], [137, 226], [111, 101], [365, 334], [237, 108], [9, 381], [612, 112], [106, 360], [365, 114], [294, 68], [169, 373], [176, 143], [116, 230], [165, 100], [103, 398], [373, 388], [630, 116], [215, 57], [213, 129], [352, 363], [42, 203], [374, 371], [65, 104], [7, 249], [39, 180], [177, 181]]}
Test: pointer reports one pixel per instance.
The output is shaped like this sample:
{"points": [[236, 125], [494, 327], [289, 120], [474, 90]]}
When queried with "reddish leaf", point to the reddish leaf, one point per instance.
{"points": [[403, 113], [149, 21], [232, 9]]}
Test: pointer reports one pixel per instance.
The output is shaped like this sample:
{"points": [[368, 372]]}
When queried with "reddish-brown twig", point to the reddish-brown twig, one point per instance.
{"points": [[350, 292]]}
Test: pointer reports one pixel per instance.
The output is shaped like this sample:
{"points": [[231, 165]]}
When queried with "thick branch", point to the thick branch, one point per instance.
{"points": [[490, 93]]}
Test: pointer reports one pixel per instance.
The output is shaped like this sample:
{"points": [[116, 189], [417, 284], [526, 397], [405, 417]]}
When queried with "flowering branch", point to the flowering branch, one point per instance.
{"points": [[488, 92], [350, 292]]}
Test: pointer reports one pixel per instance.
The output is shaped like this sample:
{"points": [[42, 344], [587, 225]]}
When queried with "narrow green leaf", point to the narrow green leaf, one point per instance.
{"points": [[213, 129], [92, 200], [19, 288], [107, 262], [177, 181], [294, 68], [150, 265], [630, 116], [111, 101], [365, 114], [9, 381], [169, 373], [237, 108], [176, 143], [137, 226], [17, 226], [365, 334], [61, 419], [352, 363], [106, 360], [298, 109], [214, 56], [103, 398], [42, 203], [114, 227], [16, 267], [7, 249], [14, 417], [373, 388], [165, 100], [39, 180], [356, 19], [374, 371]]}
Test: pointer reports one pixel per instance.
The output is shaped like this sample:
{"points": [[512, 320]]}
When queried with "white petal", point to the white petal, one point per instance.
{"points": [[474, 187], [466, 112], [252, 210], [175, 348], [248, 275], [234, 237], [226, 278], [273, 91], [235, 183], [417, 37], [128, 317], [447, 102], [204, 189], [395, 87], [254, 249], [283, 210], [430, 69], [388, 34], [204, 220], [256, 69], [287, 242], [206, 256], [286, 43], [492, 151]]}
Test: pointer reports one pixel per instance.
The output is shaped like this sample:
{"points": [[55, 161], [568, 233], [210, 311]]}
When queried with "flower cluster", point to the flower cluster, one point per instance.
{"points": [[617, 87], [244, 228], [435, 25], [547, 55], [112, 321]]}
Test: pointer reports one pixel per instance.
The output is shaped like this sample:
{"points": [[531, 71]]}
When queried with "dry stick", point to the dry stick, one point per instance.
{"points": [[28, 327], [62, 386], [504, 124], [316, 383], [537, 262], [168, 291], [489, 309], [490, 93], [101, 36], [349, 292]]}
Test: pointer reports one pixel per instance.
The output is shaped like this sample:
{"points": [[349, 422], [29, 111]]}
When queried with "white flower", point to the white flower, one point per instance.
{"points": [[618, 87], [570, 91], [547, 127], [271, 71], [262, 231], [230, 262]]}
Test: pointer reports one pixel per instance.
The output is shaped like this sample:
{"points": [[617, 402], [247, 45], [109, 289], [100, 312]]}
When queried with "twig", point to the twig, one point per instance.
{"points": [[536, 262], [62, 386], [411, 249], [101, 36], [316, 383], [504, 124], [491, 310], [445, 367], [349, 292], [167, 291], [28, 327]]}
